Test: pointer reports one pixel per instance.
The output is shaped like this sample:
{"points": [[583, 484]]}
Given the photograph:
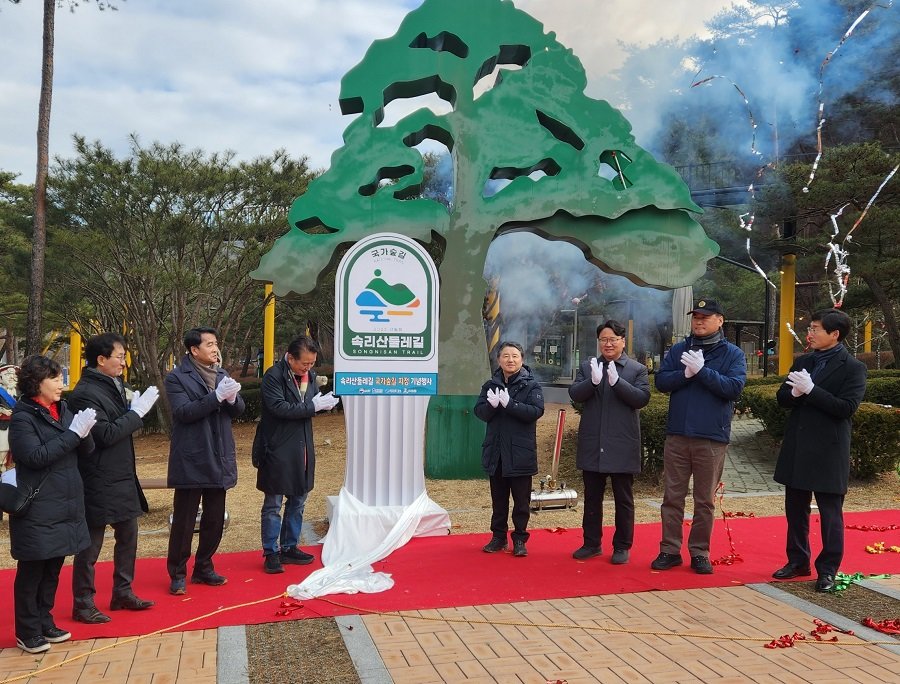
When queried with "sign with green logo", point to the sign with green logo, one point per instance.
{"points": [[386, 315]]}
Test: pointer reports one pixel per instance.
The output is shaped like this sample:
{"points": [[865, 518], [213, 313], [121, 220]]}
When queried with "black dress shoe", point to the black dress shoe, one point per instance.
{"points": [[211, 578], [790, 571], [90, 616], [825, 583], [129, 602]]}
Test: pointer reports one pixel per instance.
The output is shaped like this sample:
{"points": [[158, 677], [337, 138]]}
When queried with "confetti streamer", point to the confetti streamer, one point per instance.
{"points": [[821, 109], [794, 335], [747, 218], [839, 252]]}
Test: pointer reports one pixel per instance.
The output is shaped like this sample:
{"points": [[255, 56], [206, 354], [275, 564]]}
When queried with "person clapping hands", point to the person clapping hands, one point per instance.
{"points": [[83, 421], [142, 403], [800, 382], [325, 402], [692, 361], [227, 390]]}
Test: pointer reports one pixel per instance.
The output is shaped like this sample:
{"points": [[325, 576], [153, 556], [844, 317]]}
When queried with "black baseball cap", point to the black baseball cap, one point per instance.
{"points": [[707, 306]]}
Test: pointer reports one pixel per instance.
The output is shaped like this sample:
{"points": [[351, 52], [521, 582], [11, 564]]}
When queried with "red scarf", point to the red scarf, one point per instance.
{"points": [[52, 407]]}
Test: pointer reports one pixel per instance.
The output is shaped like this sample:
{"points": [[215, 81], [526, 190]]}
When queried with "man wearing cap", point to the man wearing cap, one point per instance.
{"points": [[703, 374]]}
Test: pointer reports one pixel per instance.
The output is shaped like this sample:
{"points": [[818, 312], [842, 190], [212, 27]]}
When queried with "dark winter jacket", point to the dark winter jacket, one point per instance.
{"points": [[702, 406], [815, 452], [53, 525], [609, 434], [283, 447], [510, 439], [111, 489], [201, 451]]}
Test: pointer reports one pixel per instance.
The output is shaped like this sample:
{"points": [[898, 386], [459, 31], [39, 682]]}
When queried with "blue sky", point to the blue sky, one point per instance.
{"points": [[251, 77]]}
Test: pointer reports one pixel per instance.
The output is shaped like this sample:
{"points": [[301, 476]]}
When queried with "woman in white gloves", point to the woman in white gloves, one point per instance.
{"points": [[46, 440]]}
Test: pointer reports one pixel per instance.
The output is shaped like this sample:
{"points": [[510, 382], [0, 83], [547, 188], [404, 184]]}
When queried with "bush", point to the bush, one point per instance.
{"points": [[761, 401], [874, 442], [653, 431], [872, 361], [883, 390]]}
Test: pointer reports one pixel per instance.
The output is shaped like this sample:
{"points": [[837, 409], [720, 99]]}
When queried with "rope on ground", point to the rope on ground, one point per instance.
{"points": [[600, 628], [130, 640]]}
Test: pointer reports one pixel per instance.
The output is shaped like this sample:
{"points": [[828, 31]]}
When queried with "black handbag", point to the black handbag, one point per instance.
{"points": [[15, 499]]}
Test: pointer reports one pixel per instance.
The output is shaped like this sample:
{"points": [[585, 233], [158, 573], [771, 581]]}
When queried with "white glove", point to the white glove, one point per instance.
{"points": [[596, 372], [228, 390], [324, 402], [612, 373], [800, 382], [504, 397], [493, 397], [83, 421], [142, 403], [692, 361]]}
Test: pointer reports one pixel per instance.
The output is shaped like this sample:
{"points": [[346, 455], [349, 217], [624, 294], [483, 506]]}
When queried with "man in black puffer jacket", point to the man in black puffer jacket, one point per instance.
{"points": [[112, 494], [511, 403]]}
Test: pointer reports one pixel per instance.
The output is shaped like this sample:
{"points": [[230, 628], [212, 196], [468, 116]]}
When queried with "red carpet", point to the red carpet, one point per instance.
{"points": [[441, 572]]}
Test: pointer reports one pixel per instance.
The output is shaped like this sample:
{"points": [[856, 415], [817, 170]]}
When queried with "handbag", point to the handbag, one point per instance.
{"points": [[15, 499]]}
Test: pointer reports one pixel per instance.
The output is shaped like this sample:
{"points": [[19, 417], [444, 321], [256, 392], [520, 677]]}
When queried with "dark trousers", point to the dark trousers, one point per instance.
{"points": [[831, 515], [501, 488], [592, 520], [124, 554], [34, 592], [184, 517]]}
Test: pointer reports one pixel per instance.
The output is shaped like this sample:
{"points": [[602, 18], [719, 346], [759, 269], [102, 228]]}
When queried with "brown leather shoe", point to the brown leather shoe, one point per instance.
{"points": [[129, 602], [90, 616]]}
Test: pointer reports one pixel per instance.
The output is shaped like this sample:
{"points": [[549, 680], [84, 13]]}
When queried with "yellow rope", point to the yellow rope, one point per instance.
{"points": [[138, 638]]}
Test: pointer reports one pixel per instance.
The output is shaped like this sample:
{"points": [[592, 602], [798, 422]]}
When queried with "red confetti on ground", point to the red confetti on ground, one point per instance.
{"points": [[734, 556], [872, 528], [555, 530], [738, 514], [788, 640], [883, 626], [288, 607]]}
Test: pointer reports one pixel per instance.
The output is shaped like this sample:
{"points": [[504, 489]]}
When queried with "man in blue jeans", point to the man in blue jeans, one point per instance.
{"points": [[284, 453]]}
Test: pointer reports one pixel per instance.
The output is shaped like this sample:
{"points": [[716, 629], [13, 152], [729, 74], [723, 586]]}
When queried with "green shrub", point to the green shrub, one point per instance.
{"points": [[653, 431], [883, 390], [763, 405], [874, 442]]}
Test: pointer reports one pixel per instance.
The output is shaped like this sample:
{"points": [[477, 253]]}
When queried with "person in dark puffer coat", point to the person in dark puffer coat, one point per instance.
{"points": [[46, 440], [112, 494], [511, 403]]}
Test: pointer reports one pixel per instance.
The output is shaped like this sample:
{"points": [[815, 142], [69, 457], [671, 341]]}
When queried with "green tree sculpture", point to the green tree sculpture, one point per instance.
{"points": [[573, 169]]}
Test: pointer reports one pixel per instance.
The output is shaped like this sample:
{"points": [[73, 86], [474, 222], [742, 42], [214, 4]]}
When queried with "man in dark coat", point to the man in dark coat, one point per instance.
{"points": [[511, 403], [613, 389], [112, 493], [823, 391], [284, 452], [705, 373], [202, 462]]}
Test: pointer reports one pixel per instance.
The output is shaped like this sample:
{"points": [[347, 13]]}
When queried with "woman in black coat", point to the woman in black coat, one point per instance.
{"points": [[45, 439], [511, 403]]}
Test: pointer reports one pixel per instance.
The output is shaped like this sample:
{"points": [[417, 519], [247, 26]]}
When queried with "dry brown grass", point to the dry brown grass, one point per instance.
{"points": [[468, 501]]}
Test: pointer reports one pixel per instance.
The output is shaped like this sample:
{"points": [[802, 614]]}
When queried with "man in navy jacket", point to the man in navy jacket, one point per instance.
{"points": [[202, 462], [704, 374]]}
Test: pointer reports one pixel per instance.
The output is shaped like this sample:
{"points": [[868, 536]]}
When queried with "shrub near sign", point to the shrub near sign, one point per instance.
{"points": [[386, 318]]}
